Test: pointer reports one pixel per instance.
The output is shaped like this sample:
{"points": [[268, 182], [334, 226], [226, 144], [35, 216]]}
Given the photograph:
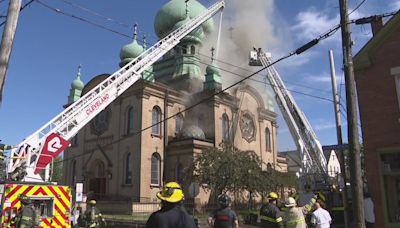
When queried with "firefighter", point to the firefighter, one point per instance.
{"points": [[93, 217], [172, 214], [270, 215], [294, 217], [223, 217], [27, 217]]}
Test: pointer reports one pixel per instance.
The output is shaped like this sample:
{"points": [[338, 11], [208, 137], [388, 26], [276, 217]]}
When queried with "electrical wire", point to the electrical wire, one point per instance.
{"points": [[22, 8], [201, 54], [57, 10], [358, 6], [80, 18]]}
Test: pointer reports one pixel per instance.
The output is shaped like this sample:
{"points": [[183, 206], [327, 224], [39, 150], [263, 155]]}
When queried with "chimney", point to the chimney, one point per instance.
{"points": [[376, 25]]}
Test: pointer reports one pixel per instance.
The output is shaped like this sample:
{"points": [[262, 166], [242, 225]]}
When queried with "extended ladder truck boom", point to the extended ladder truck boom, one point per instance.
{"points": [[37, 150], [313, 160]]}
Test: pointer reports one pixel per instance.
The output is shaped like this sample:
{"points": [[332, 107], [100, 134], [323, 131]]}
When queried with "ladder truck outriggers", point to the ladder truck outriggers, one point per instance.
{"points": [[313, 162], [38, 150]]}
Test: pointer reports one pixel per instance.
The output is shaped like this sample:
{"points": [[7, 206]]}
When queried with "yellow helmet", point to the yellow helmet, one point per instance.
{"points": [[273, 195], [92, 202], [171, 192]]}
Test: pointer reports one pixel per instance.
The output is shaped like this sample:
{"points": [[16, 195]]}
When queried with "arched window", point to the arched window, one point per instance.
{"points": [[156, 118], [184, 49], [192, 50], [128, 169], [73, 173], [155, 169], [129, 126], [225, 128], [267, 139], [178, 123]]}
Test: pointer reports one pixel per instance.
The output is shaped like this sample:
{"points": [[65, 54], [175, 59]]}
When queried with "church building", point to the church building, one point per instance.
{"points": [[151, 133]]}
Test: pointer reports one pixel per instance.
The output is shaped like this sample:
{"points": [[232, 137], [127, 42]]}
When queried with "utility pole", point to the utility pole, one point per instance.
{"points": [[7, 40], [339, 138], [354, 146]]}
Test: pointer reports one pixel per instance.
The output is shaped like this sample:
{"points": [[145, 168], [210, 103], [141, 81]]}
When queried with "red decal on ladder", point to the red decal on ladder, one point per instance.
{"points": [[53, 146]]}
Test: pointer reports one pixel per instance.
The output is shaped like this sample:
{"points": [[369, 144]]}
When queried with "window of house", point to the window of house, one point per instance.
{"points": [[225, 128], [396, 72], [156, 118], [128, 169], [130, 122], [184, 49], [192, 50], [267, 139], [155, 169], [391, 181], [178, 123]]}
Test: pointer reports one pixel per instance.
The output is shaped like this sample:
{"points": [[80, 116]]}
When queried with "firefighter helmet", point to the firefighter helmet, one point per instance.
{"points": [[171, 192], [92, 202], [290, 202], [273, 195], [224, 200], [24, 199]]}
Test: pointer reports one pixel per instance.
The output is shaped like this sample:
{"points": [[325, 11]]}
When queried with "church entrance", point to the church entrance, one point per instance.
{"points": [[97, 183]]}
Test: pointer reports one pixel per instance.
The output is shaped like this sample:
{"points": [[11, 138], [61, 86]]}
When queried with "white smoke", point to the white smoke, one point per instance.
{"points": [[245, 24]]}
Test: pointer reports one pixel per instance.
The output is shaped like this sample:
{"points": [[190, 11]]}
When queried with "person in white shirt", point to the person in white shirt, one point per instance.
{"points": [[368, 211], [320, 218]]}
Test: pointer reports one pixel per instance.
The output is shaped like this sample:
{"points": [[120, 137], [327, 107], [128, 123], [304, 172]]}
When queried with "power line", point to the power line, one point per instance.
{"points": [[358, 6], [218, 60], [80, 18], [22, 8], [57, 10]]}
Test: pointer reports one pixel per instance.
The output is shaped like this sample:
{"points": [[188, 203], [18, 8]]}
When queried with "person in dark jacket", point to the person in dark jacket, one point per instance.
{"points": [[270, 215], [93, 216], [223, 217], [27, 217], [172, 214]]}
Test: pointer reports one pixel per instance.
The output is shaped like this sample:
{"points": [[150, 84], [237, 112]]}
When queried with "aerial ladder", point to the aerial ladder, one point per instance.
{"points": [[313, 162], [37, 151]]}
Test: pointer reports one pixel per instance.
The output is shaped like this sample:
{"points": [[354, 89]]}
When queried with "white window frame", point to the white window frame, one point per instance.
{"points": [[395, 71]]}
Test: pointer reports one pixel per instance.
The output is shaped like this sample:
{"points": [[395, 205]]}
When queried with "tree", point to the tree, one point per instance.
{"points": [[55, 170], [230, 169]]}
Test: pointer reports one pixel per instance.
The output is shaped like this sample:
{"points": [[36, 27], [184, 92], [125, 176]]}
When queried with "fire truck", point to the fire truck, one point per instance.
{"points": [[52, 202], [38, 150]]}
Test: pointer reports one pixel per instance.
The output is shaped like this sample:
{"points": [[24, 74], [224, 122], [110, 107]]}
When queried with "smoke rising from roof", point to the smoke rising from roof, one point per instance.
{"points": [[245, 24]]}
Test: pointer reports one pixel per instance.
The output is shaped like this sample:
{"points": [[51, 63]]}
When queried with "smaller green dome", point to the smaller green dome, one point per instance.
{"points": [[130, 51], [212, 68], [77, 83]]}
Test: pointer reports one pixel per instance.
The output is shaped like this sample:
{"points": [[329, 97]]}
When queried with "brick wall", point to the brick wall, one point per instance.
{"points": [[379, 112]]}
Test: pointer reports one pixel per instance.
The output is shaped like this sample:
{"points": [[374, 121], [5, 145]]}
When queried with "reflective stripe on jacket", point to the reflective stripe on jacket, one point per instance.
{"points": [[294, 217]]}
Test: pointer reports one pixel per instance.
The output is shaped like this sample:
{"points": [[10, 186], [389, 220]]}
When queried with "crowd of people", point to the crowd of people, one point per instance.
{"points": [[298, 211]]}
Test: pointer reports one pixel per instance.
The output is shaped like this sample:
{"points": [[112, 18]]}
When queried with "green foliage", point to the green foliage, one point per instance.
{"points": [[229, 169], [56, 173]]}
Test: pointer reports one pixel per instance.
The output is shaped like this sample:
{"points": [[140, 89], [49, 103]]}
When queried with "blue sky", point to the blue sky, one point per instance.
{"points": [[49, 46]]}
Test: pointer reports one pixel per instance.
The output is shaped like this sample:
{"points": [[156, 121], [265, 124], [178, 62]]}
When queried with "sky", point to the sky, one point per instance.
{"points": [[49, 46]]}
